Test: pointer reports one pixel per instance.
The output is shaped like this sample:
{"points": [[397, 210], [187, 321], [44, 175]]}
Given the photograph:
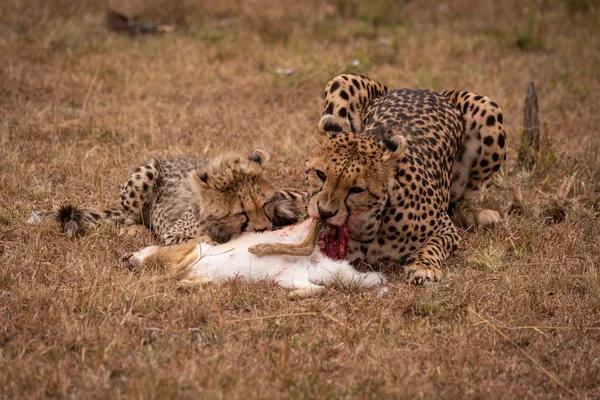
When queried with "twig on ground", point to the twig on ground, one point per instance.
{"points": [[538, 327], [538, 364], [331, 317]]}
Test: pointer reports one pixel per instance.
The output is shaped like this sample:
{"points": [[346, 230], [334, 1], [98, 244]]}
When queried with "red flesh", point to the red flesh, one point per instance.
{"points": [[334, 242]]}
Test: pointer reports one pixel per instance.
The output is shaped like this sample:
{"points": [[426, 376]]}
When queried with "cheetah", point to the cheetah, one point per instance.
{"points": [[180, 199], [395, 164]]}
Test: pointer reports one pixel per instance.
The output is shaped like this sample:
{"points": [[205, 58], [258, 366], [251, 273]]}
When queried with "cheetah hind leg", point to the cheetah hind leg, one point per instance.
{"points": [[137, 193], [481, 154], [467, 212]]}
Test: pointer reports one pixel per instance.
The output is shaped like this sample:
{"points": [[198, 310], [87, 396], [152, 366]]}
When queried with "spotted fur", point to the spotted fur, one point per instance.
{"points": [[394, 161], [183, 198]]}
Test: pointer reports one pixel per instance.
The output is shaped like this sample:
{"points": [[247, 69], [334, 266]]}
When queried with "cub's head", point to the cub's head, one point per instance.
{"points": [[348, 176], [236, 196]]}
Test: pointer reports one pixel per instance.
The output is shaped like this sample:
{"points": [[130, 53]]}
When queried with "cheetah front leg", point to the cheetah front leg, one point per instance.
{"points": [[425, 265]]}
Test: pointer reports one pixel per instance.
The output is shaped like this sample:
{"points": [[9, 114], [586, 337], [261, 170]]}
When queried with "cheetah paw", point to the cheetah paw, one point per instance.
{"points": [[419, 274], [487, 217]]}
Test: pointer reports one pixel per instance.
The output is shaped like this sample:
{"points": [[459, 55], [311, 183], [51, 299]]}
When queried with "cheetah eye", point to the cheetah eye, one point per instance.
{"points": [[356, 190], [321, 175]]}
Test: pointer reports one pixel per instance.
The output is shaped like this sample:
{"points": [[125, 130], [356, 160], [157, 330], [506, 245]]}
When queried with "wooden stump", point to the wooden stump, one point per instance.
{"points": [[530, 139]]}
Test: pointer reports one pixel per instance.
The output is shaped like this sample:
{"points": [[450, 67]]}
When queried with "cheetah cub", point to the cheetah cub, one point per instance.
{"points": [[183, 198]]}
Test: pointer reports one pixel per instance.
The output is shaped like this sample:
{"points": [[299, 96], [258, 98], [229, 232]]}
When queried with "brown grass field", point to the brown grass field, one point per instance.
{"points": [[517, 315]]}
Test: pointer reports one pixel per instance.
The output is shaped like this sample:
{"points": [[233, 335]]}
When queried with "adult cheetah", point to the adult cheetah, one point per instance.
{"points": [[395, 163]]}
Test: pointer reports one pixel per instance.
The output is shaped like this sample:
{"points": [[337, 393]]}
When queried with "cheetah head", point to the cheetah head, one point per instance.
{"points": [[348, 177], [236, 196]]}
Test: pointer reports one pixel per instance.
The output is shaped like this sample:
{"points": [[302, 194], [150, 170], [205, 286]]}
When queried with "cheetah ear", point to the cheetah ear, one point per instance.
{"points": [[332, 126], [260, 157], [379, 130], [200, 177], [393, 147]]}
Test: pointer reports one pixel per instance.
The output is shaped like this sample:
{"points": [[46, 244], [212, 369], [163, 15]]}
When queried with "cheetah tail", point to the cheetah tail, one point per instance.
{"points": [[76, 222]]}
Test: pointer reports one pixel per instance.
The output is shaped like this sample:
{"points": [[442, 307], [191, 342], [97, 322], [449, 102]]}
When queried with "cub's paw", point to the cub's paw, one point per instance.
{"points": [[418, 274]]}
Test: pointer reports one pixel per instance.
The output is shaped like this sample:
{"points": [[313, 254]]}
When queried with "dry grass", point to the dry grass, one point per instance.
{"points": [[80, 106]]}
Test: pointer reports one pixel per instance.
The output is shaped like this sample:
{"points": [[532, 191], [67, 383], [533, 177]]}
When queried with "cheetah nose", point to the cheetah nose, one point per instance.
{"points": [[325, 214]]}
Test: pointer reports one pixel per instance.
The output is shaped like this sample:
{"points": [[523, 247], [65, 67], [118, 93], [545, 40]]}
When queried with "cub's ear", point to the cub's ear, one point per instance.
{"points": [[260, 157], [200, 177], [393, 147], [332, 126]]}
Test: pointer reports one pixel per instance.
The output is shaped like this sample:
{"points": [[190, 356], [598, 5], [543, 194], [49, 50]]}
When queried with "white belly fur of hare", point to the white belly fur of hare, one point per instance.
{"points": [[307, 275]]}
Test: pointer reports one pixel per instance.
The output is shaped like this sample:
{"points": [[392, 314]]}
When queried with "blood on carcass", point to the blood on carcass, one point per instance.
{"points": [[334, 242]]}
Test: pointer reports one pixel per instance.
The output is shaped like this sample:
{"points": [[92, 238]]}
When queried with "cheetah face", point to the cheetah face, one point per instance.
{"points": [[235, 196], [348, 176]]}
